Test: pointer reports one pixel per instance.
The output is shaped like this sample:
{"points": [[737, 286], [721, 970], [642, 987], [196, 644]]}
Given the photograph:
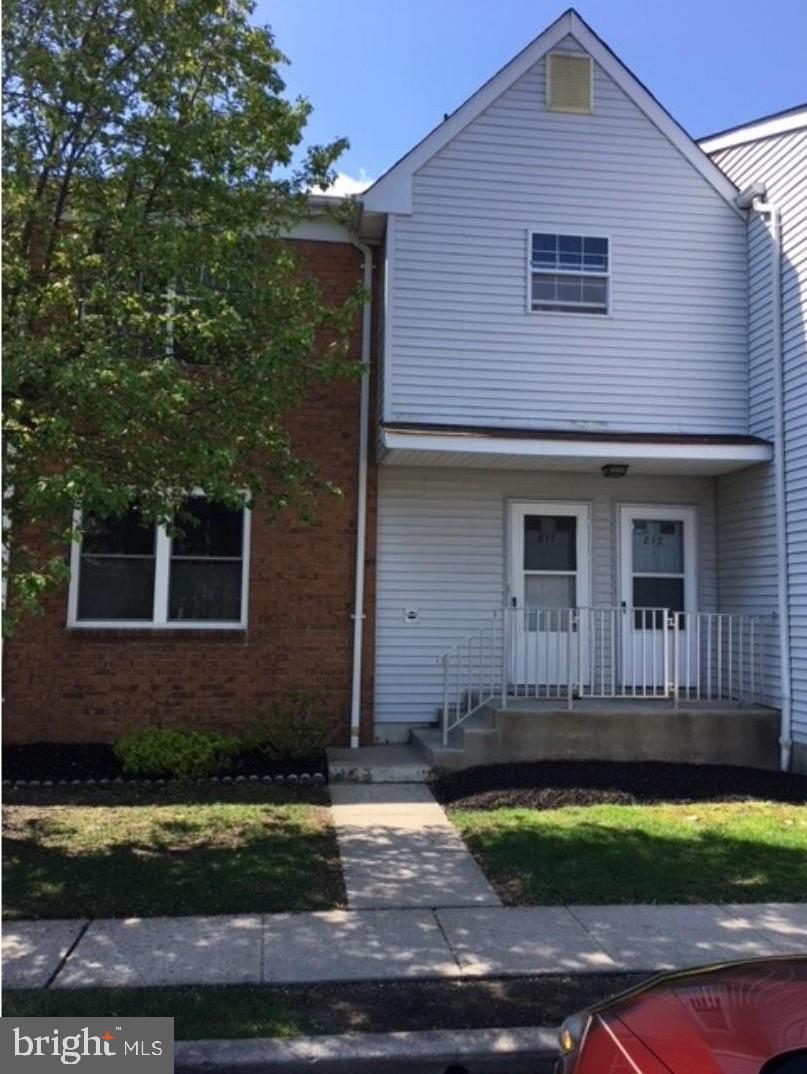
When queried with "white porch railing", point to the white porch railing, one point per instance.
{"points": [[603, 652]]}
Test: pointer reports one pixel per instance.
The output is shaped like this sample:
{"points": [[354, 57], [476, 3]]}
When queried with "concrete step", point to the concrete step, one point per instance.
{"points": [[428, 742], [466, 743], [378, 764]]}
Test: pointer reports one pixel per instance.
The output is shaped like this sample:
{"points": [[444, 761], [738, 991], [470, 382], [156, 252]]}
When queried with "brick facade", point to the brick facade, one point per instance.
{"points": [[95, 685]]}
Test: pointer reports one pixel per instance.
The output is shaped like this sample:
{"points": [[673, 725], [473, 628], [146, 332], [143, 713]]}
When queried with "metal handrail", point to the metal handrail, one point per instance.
{"points": [[607, 651], [466, 687]]}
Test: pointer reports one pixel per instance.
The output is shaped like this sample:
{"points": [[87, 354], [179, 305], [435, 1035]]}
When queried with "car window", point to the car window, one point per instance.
{"points": [[791, 1063]]}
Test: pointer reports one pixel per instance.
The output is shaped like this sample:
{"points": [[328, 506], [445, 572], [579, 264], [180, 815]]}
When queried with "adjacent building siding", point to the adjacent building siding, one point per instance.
{"points": [[781, 162], [441, 550], [671, 356]]}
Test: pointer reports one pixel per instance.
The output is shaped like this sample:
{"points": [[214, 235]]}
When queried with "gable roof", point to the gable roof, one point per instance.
{"points": [[392, 192], [791, 119]]}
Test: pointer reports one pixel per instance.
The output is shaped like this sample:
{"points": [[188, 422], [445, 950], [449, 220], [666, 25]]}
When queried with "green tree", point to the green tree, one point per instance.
{"points": [[156, 328]]}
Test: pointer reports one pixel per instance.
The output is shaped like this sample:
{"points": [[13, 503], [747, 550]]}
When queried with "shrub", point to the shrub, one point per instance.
{"points": [[175, 753], [293, 729]]}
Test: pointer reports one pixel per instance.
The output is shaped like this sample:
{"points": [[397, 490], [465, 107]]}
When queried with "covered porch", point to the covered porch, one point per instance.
{"points": [[575, 658], [610, 684], [574, 574]]}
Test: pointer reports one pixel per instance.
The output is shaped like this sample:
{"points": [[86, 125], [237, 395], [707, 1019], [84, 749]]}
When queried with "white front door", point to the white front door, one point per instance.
{"points": [[549, 560], [658, 577]]}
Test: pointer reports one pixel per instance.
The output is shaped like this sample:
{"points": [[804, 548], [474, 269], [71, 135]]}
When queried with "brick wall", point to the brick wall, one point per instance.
{"points": [[93, 686]]}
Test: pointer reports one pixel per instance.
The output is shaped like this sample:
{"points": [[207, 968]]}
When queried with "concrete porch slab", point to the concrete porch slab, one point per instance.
{"points": [[136, 952], [33, 950], [642, 937], [339, 945], [630, 730], [516, 940], [378, 764]]}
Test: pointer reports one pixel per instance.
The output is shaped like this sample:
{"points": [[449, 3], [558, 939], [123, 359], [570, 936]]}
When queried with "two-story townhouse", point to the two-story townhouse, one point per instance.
{"points": [[563, 415], [560, 528]]}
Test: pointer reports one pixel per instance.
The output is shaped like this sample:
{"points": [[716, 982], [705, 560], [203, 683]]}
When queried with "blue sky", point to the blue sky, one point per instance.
{"points": [[383, 72]]}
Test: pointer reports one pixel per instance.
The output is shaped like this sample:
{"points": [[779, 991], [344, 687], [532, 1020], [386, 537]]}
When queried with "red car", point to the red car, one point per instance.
{"points": [[734, 1018]]}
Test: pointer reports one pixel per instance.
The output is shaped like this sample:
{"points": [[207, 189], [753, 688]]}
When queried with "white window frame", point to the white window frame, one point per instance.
{"points": [[570, 309], [162, 569]]}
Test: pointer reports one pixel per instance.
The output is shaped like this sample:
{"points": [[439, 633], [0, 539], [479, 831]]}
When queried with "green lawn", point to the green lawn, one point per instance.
{"points": [[716, 852], [199, 1013], [129, 854], [235, 1011]]}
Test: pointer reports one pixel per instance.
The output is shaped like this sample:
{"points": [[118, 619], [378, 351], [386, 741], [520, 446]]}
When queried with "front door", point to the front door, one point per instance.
{"points": [[658, 578], [549, 581]]}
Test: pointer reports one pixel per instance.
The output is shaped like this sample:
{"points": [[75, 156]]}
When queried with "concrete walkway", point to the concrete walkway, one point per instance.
{"points": [[345, 945], [399, 850]]}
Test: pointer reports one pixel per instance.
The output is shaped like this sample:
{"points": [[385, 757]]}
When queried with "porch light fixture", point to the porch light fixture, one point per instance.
{"points": [[615, 469]]}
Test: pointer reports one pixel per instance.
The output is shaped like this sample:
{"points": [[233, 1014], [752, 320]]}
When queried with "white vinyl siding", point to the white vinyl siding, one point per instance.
{"points": [[442, 552], [462, 347], [781, 162], [746, 555]]}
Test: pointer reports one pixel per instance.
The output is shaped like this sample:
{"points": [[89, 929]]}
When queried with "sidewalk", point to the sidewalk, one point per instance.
{"points": [[355, 945]]}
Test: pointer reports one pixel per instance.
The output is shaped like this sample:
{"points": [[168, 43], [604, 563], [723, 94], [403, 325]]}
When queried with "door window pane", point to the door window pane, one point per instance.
{"points": [[549, 591], [657, 593], [658, 546], [550, 543]]}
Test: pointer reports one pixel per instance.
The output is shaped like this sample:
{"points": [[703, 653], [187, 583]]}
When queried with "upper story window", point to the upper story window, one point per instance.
{"points": [[125, 574], [568, 273]]}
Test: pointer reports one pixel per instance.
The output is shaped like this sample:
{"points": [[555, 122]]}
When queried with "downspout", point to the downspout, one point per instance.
{"points": [[361, 497], [755, 198]]}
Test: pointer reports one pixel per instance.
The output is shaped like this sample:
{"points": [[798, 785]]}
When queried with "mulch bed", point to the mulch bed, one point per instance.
{"points": [[92, 760], [553, 784]]}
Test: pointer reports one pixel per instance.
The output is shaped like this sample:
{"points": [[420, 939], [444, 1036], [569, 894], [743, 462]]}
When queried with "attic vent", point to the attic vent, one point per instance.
{"points": [[568, 83]]}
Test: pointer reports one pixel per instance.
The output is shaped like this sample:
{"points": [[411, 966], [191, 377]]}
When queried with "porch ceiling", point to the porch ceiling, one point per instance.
{"points": [[518, 449]]}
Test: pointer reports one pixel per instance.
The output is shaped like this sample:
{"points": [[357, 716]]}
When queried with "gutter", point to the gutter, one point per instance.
{"points": [[361, 498], [755, 198]]}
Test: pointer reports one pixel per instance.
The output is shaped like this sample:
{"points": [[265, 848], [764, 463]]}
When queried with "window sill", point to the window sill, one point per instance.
{"points": [[577, 314], [156, 633]]}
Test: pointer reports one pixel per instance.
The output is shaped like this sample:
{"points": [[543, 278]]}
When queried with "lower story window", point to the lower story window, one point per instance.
{"points": [[125, 573]]}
